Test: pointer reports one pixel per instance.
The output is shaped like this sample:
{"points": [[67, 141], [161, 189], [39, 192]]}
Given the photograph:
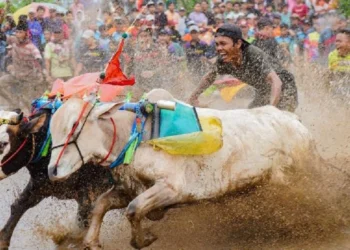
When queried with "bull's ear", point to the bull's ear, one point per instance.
{"points": [[105, 110], [34, 125]]}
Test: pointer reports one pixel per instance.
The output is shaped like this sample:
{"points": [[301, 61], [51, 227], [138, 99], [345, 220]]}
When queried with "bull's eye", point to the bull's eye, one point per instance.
{"points": [[3, 145]]}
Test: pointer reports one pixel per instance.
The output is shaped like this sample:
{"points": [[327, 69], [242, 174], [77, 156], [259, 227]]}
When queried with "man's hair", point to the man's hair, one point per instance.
{"points": [[205, 1], [69, 12], [107, 12], [40, 8], [145, 30], [102, 28], [237, 3], [345, 32], [58, 30]]}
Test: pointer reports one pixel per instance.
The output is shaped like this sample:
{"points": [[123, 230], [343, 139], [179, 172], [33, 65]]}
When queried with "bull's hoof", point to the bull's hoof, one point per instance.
{"points": [[93, 246], [148, 240]]}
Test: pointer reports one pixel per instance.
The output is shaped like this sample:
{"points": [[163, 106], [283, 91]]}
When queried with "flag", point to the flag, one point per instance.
{"points": [[113, 73]]}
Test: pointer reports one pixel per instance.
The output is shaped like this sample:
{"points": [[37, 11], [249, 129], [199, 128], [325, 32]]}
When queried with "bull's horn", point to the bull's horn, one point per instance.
{"points": [[17, 119]]}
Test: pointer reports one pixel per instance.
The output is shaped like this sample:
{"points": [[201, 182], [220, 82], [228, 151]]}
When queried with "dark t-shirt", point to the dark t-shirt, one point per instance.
{"points": [[256, 65], [93, 60], [271, 48]]}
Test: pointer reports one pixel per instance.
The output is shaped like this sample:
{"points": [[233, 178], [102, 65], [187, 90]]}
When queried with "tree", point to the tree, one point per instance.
{"points": [[189, 5], [344, 7]]}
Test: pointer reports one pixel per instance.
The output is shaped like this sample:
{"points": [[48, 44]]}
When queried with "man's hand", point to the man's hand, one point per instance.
{"points": [[193, 102]]}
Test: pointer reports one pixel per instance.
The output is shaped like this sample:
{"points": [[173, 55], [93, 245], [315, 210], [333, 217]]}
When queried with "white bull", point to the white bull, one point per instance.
{"points": [[259, 145]]}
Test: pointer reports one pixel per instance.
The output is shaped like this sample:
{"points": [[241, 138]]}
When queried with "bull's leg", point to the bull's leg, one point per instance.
{"points": [[84, 210], [158, 196], [27, 199], [112, 199]]}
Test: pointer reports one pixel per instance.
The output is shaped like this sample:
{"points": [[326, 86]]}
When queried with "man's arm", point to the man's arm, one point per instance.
{"points": [[205, 83], [276, 87], [78, 69]]}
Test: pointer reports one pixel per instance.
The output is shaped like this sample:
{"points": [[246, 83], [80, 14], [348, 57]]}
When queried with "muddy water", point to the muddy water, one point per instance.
{"points": [[267, 218]]}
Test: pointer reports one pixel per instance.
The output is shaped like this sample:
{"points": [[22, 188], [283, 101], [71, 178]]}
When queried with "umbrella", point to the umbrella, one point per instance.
{"points": [[47, 6]]}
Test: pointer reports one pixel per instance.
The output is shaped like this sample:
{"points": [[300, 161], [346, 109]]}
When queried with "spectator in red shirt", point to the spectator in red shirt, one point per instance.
{"points": [[300, 9]]}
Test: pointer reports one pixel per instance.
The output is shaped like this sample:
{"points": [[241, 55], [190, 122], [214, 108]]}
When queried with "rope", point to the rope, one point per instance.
{"points": [[15, 153], [113, 142], [71, 133]]}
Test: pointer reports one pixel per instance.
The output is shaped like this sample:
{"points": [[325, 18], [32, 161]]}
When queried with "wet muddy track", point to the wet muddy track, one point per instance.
{"points": [[266, 218]]}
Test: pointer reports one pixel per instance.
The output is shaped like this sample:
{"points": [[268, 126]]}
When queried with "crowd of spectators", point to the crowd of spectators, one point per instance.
{"points": [[164, 39]]}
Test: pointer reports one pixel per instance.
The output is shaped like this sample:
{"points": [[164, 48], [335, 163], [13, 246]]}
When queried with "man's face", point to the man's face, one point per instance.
{"points": [[269, 9], [229, 7], [106, 17], [222, 8], [160, 8], [164, 39], [104, 33], [245, 29], [47, 35], [151, 9], [197, 8], [57, 37], [218, 22], [69, 17], [299, 1], [284, 32], [31, 15], [52, 13], [88, 41], [40, 14], [216, 10], [204, 6], [306, 27], [230, 21], [79, 16], [171, 7], [342, 43], [21, 35], [342, 24], [92, 26], [276, 21], [145, 38], [295, 21], [59, 17], [226, 49], [267, 31], [182, 13], [285, 10], [195, 35], [236, 8]]}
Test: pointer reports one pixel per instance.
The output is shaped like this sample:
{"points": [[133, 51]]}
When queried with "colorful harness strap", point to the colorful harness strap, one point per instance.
{"points": [[127, 153], [44, 150]]}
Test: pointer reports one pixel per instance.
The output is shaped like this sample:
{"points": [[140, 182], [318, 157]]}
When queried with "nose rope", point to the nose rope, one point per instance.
{"points": [[14, 154]]}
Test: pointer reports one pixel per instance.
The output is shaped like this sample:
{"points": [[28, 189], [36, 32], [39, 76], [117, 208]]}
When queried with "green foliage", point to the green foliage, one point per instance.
{"points": [[189, 4], [17, 4], [344, 7]]}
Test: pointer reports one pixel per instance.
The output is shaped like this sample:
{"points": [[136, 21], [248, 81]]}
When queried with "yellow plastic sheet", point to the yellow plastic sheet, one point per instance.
{"points": [[198, 143], [228, 93]]}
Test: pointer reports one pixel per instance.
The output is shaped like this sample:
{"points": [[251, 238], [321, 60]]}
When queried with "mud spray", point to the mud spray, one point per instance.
{"points": [[310, 213]]}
